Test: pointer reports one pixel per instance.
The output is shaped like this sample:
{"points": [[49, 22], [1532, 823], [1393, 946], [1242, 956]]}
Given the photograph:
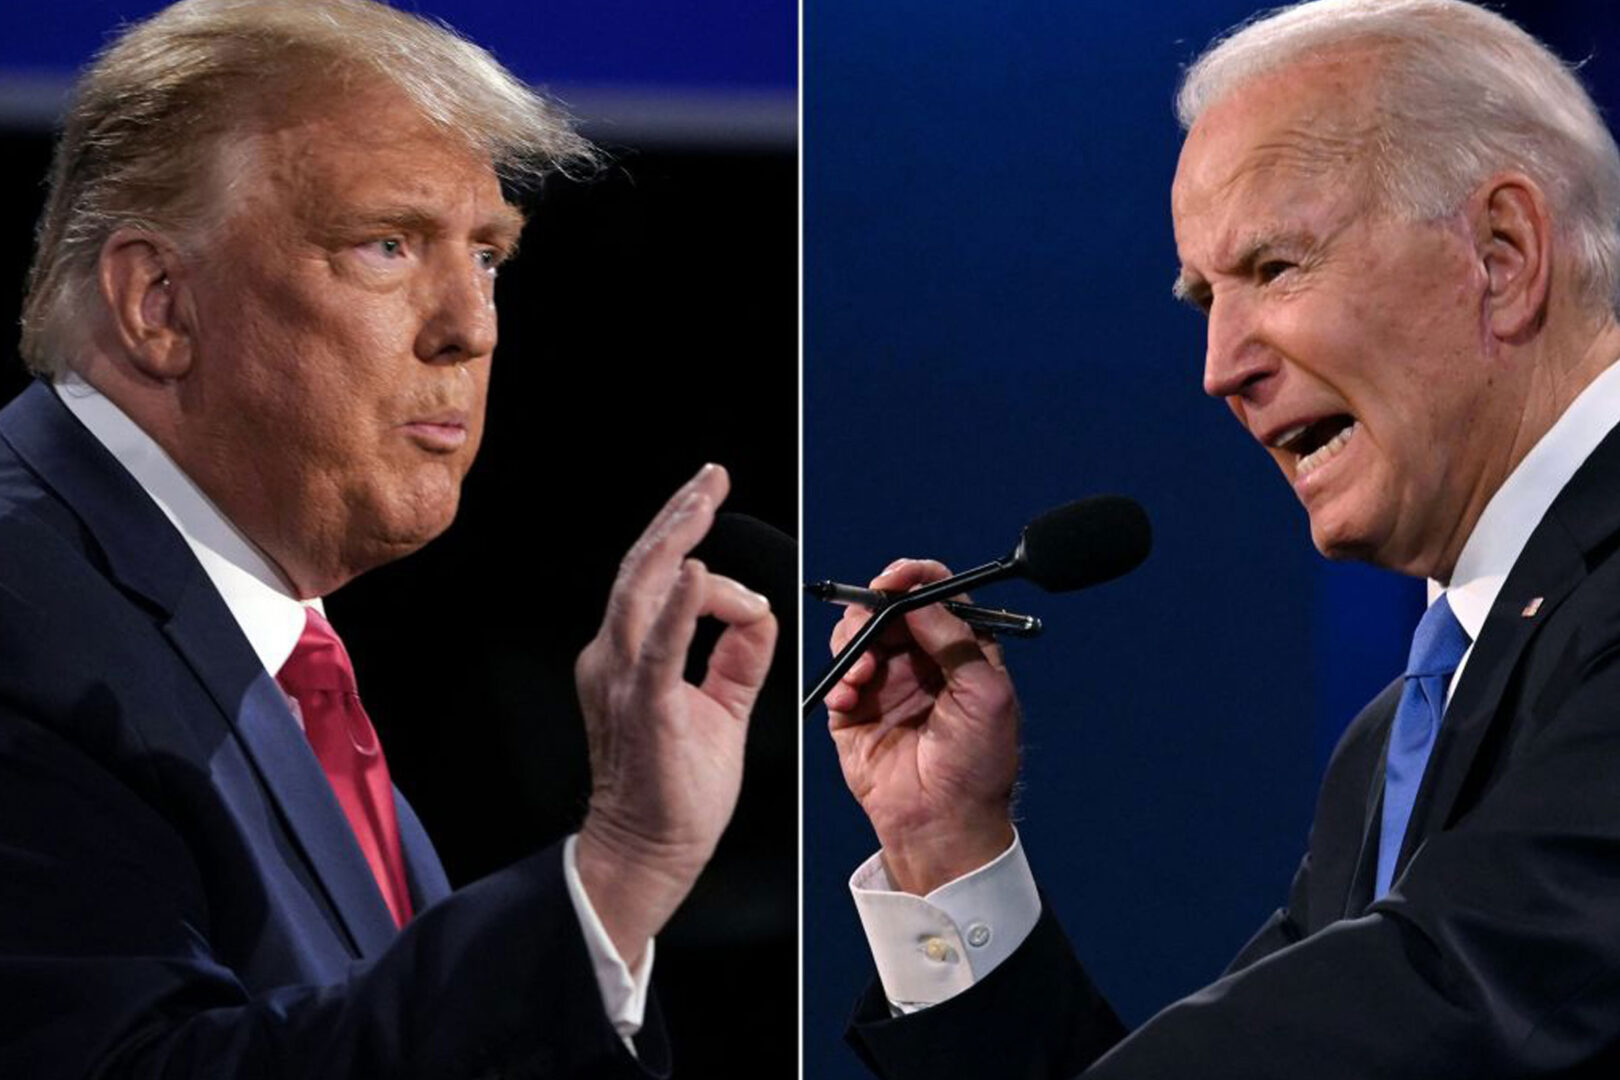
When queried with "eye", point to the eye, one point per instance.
{"points": [[384, 249], [1271, 270], [489, 259]]}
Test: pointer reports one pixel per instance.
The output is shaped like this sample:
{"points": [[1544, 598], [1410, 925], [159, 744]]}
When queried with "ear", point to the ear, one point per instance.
{"points": [[141, 278], [1514, 235]]}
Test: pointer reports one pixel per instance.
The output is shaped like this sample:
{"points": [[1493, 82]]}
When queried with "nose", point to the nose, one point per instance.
{"points": [[1237, 360], [458, 305]]}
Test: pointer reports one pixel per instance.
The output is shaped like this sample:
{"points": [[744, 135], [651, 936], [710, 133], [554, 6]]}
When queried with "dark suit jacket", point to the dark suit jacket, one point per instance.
{"points": [[1497, 952], [180, 893]]}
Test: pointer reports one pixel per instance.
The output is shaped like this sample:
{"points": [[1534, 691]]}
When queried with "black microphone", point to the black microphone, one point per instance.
{"points": [[1084, 543], [1074, 546], [756, 553], [766, 560]]}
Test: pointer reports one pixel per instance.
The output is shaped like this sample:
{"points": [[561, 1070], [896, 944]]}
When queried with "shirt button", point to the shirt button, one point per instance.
{"points": [[978, 935], [937, 949]]}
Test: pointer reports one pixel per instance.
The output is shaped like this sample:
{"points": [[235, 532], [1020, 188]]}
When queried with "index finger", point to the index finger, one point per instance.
{"points": [[903, 575], [711, 480], [854, 617], [948, 641], [899, 576], [649, 568]]}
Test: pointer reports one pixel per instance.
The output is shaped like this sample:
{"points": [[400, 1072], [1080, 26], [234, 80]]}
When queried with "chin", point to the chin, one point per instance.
{"points": [[423, 527], [1373, 548], [403, 522], [1343, 541]]}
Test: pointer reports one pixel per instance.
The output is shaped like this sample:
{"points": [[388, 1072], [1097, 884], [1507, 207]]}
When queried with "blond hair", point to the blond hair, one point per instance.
{"points": [[152, 114]]}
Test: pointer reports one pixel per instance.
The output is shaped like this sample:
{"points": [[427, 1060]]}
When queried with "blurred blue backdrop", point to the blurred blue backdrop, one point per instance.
{"points": [[639, 71], [989, 332]]}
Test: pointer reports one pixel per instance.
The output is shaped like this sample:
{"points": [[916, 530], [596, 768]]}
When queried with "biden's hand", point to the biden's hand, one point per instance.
{"points": [[926, 725], [666, 755]]}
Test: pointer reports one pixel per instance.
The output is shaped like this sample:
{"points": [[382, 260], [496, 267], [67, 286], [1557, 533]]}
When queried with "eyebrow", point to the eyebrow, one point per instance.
{"points": [[1191, 288], [507, 223], [502, 226]]}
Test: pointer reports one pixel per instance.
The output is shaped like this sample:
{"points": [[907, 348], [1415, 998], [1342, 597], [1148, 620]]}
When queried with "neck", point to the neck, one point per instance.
{"points": [[156, 407], [1551, 372]]}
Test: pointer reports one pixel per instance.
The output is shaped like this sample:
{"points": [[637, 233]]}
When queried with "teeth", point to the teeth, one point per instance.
{"points": [[1318, 457], [1288, 436]]}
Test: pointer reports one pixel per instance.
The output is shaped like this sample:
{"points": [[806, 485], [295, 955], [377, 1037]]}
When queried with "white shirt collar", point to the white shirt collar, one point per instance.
{"points": [[270, 616], [1522, 501]]}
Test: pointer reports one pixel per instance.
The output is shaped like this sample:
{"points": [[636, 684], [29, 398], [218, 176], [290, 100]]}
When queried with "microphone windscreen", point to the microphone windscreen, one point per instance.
{"points": [[758, 554], [1085, 543]]}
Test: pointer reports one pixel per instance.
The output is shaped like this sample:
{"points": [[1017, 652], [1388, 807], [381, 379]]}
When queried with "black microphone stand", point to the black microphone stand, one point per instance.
{"points": [[1010, 566]]}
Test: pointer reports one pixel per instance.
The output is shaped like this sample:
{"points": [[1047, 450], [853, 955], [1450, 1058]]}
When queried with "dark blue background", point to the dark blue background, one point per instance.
{"points": [[671, 43], [989, 332]]}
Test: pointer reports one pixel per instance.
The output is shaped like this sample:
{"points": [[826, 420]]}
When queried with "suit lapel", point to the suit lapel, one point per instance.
{"points": [[145, 556], [204, 632], [1364, 874], [423, 871]]}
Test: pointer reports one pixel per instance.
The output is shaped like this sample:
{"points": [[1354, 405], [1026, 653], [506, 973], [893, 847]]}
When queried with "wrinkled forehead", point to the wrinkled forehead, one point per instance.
{"points": [[1281, 144], [304, 158], [1313, 120]]}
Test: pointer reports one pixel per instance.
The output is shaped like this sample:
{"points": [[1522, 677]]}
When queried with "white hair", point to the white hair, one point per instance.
{"points": [[152, 115], [1461, 93]]}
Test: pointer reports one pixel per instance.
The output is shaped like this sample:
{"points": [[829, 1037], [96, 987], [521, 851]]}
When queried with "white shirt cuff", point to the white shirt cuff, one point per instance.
{"points": [[624, 993], [933, 947]]}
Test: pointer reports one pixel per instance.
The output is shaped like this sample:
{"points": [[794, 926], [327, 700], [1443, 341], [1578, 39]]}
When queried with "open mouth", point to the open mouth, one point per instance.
{"points": [[1316, 443]]}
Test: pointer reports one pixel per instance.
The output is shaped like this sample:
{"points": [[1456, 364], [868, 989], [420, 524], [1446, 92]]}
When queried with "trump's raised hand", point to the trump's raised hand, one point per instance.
{"points": [[926, 725], [666, 755]]}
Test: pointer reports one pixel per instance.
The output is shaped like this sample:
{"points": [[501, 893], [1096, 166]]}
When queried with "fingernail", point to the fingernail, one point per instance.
{"points": [[897, 564], [752, 597]]}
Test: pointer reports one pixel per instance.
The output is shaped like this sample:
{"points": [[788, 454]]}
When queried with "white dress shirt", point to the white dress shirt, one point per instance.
{"points": [[918, 942], [272, 619]]}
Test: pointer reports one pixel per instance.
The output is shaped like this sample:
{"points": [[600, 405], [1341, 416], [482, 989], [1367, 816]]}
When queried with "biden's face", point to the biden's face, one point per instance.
{"points": [[1350, 343], [345, 329]]}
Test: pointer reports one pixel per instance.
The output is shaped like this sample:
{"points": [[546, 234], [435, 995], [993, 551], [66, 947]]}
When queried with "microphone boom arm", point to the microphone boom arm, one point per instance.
{"points": [[911, 601]]}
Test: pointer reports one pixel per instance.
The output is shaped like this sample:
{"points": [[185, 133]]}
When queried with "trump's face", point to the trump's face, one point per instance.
{"points": [[345, 323], [1349, 343]]}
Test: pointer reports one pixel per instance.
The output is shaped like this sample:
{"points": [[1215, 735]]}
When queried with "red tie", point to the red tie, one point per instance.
{"points": [[320, 678]]}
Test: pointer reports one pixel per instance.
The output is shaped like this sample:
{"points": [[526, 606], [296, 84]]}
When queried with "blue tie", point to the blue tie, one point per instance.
{"points": [[1437, 646]]}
